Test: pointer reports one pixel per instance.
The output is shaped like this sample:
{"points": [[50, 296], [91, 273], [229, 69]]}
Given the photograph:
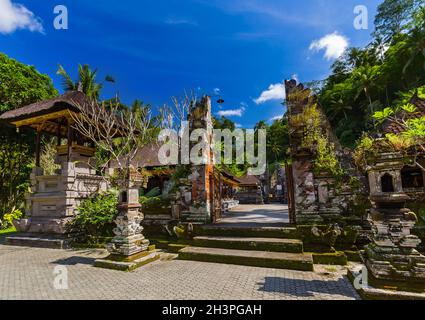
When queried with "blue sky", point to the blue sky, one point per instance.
{"points": [[158, 49]]}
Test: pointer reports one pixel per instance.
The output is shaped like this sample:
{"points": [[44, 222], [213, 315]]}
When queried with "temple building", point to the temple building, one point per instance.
{"points": [[52, 201], [250, 191]]}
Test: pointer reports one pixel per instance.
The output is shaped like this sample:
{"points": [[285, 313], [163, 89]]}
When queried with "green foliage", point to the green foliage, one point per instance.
{"points": [[95, 215], [223, 123], [278, 141], [181, 172], [314, 140], [365, 146], [8, 218], [153, 202], [384, 73], [393, 15], [20, 85], [48, 156], [326, 160], [86, 80], [15, 168], [381, 116]]}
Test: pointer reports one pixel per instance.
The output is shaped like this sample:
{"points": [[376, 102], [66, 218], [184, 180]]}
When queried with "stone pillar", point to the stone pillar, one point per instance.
{"points": [[129, 249], [392, 258], [200, 206]]}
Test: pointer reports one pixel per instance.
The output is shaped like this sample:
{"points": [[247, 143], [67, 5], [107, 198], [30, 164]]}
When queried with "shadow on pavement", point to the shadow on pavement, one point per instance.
{"points": [[307, 288]]}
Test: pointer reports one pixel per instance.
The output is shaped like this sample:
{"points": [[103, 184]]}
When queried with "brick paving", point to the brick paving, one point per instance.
{"points": [[248, 215], [28, 273]]}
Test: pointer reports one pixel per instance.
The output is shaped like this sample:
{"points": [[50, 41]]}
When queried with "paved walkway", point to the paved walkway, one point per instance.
{"points": [[268, 215], [28, 273]]}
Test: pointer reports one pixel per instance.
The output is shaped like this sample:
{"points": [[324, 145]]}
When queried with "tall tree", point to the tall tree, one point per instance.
{"points": [[86, 81], [20, 85], [364, 80], [416, 43], [393, 15]]}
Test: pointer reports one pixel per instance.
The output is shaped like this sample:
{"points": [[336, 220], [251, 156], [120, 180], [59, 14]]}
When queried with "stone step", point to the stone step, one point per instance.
{"points": [[277, 260], [256, 244], [38, 241], [260, 232]]}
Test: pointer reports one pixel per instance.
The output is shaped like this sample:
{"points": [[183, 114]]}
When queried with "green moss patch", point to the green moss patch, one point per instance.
{"points": [[323, 238], [284, 233], [353, 256], [249, 261], [175, 247], [335, 258]]}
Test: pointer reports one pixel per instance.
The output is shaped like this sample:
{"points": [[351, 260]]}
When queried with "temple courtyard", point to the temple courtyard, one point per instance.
{"points": [[29, 273], [252, 215]]}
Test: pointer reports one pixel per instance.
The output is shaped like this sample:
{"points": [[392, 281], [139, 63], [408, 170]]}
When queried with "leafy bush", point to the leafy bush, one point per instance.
{"points": [[95, 215], [155, 203], [8, 218]]}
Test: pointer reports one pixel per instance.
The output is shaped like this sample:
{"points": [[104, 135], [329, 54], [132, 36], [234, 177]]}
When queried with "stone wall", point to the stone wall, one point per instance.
{"points": [[53, 200], [320, 197]]}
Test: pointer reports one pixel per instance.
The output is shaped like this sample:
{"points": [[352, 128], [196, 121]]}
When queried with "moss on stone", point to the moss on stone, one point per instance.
{"points": [[353, 256], [124, 266], [284, 233], [175, 247], [325, 240], [249, 261], [250, 245], [335, 258]]}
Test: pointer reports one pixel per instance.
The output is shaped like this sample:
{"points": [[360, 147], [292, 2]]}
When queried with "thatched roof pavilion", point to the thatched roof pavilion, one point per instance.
{"points": [[53, 117]]}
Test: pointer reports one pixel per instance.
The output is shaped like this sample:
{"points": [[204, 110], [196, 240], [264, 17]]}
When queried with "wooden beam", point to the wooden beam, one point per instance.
{"points": [[59, 133], [43, 118], [70, 140], [37, 148]]}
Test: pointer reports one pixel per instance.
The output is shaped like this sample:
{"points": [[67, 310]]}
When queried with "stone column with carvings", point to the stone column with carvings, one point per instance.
{"points": [[129, 249], [392, 259]]}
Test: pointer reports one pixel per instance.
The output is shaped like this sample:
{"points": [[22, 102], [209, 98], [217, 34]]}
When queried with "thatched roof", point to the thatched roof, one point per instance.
{"points": [[67, 101], [229, 177], [393, 127], [248, 180], [148, 156], [145, 157]]}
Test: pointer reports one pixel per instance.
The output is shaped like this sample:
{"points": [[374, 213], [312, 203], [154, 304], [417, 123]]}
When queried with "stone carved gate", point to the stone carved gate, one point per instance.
{"points": [[313, 197]]}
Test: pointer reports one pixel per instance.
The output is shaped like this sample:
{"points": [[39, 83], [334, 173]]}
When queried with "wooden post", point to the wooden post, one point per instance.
{"points": [[70, 140], [59, 134], [37, 148]]}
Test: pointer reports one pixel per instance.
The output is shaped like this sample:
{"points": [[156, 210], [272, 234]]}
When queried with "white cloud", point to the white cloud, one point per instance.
{"points": [[216, 91], [15, 16], [238, 125], [277, 118], [334, 45], [178, 21], [232, 113], [274, 92]]}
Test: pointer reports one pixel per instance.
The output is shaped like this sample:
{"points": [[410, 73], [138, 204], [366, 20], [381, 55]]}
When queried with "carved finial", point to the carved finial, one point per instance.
{"points": [[80, 87]]}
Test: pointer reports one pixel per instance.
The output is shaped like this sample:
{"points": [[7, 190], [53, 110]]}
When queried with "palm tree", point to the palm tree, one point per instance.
{"points": [[339, 107], [416, 45], [86, 81], [364, 78]]}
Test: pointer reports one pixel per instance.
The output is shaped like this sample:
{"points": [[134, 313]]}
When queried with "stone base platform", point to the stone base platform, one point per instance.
{"points": [[371, 293], [276, 260], [38, 240], [128, 263]]}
